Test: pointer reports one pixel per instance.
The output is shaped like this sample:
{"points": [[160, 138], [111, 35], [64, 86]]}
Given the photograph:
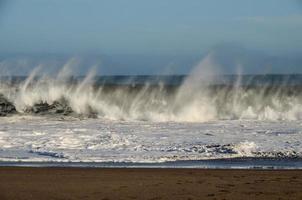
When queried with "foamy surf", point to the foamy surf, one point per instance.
{"points": [[50, 139]]}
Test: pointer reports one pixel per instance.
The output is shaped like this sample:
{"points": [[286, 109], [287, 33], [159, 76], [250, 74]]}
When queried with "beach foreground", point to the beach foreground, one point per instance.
{"points": [[98, 183]]}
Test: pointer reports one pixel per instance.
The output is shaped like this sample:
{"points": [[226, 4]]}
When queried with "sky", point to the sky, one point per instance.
{"points": [[146, 37]]}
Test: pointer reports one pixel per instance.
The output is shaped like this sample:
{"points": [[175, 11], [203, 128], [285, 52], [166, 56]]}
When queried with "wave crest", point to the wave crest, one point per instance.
{"points": [[197, 99]]}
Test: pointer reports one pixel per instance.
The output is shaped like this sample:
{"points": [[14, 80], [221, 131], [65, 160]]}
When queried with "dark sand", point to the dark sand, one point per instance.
{"points": [[87, 183]]}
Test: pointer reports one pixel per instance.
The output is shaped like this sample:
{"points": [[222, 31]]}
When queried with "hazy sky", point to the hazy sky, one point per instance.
{"points": [[144, 27]]}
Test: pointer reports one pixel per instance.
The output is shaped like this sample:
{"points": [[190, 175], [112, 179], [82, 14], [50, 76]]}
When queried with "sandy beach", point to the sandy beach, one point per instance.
{"points": [[96, 183]]}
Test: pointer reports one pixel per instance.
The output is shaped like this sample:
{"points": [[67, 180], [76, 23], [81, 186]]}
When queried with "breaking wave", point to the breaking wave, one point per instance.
{"points": [[202, 96]]}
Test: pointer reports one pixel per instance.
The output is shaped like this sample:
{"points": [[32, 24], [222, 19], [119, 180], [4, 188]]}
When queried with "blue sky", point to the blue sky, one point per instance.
{"points": [[144, 27]]}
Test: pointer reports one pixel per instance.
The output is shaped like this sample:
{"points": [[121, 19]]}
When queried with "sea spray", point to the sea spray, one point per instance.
{"points": [[203, 96], [193, 102]]}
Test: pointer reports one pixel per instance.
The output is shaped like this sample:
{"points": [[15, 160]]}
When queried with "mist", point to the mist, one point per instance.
{"points": [[230, 56]]}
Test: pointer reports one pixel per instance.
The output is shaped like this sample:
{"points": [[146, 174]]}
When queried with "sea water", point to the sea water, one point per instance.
{"points": [[204, 119]]}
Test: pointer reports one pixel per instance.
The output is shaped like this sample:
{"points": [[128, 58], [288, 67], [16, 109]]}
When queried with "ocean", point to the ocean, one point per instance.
{"points": [[206, 121]]}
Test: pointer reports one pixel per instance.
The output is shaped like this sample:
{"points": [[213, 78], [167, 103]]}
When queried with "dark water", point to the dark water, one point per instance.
{"points": [[147, 97], [177, 80]]}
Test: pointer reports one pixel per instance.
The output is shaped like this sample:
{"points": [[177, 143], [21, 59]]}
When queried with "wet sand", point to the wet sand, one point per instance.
{"points": [[104, 184]]}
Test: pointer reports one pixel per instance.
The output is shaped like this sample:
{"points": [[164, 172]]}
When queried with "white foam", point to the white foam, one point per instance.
{"points": [[48, 139], [246, 148]]}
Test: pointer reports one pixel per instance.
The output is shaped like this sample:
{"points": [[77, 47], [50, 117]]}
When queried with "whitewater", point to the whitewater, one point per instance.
{"points": [[60, 118]]}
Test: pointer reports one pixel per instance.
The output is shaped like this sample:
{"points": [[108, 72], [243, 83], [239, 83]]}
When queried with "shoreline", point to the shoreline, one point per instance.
{"points": [[228, 163], [141, 183]]}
